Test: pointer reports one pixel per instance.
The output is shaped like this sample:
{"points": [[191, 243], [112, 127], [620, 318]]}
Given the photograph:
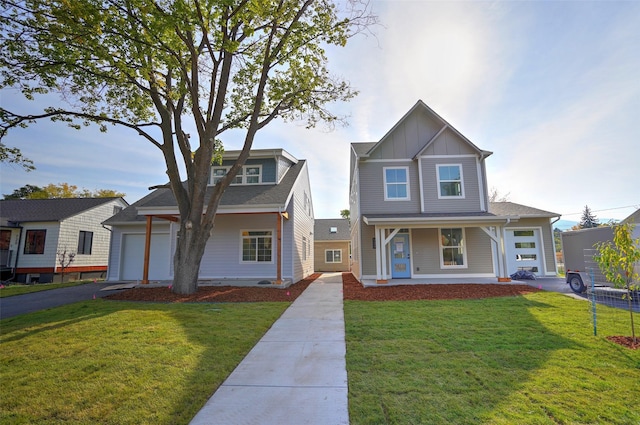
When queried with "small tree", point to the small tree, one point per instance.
{"points": [[65, 259], [618, 261], [588, 220], [345, 214]]}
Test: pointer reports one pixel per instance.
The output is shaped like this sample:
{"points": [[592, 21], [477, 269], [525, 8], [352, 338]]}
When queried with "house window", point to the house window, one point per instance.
{"points": [[5, 239], [333, 255], [256, 246], [248, 174], [34, 241], [396, 183], [452, 252], [523, 233], [450, 181], [333, 229], [85, 240]]}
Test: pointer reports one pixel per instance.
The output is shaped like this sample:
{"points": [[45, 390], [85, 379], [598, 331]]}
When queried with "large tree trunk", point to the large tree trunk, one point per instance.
{"points": [[192, 240]]}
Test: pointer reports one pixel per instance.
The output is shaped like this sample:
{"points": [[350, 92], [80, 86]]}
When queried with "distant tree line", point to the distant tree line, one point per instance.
{"points": [[60, 190]]}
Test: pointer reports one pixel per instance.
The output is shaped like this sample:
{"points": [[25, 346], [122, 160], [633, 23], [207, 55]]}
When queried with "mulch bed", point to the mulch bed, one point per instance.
{"points": [[353, 290], [217, 294]]}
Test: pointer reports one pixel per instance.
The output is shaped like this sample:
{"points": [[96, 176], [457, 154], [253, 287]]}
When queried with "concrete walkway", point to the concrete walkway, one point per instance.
{"points": [[296, 374]]}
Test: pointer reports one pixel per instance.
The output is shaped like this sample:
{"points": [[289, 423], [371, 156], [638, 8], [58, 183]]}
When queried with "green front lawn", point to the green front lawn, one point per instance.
{"points": [[107, 362], [19, 289], [515, 360]]}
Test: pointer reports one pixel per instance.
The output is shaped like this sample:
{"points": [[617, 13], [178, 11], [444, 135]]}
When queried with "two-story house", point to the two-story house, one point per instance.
{"points": [[263, 226], [39, 236], [419, 209]]}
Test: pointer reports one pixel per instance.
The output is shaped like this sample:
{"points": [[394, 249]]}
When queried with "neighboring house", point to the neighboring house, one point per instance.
{"points": [[332, 245], [35, 232], [419, 208], [263, 226]]}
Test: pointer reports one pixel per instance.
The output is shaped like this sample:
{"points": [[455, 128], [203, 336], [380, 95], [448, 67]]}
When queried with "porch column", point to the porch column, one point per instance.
{"points": [[502, 234], [381, 257], [498, 238], [147, 250]]}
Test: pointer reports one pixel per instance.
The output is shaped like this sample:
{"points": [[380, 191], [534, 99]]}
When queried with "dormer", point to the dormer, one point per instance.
{"points": [[263, 167]]}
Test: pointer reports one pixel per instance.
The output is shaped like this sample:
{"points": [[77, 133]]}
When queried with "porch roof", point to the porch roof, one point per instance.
{"points": [[438, 219]]}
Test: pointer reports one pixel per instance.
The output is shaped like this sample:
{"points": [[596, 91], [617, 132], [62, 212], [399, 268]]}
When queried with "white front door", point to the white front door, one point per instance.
{"points": [[524, 250]]}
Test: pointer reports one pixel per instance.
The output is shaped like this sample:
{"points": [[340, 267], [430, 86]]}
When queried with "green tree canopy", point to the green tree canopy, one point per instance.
{"points": [[345, 214], [181, 73]]}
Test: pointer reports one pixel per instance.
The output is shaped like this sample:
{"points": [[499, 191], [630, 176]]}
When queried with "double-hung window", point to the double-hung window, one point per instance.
{"points": [[450, 181], [248, 174], [333, 255], [85, 240], [452, 248], [257, 246], [396, 183], [34, 241]]}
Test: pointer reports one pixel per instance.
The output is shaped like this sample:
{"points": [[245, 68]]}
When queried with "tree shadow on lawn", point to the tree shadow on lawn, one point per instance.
{"points": [[452, 361], [122, 362]]}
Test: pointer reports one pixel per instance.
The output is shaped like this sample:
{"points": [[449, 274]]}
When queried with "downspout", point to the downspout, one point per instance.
{"points": [[15, 264]]}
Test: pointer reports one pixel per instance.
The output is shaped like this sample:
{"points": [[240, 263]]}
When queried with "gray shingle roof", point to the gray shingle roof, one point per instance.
{"points": [[511, 208], [29, 210], [248, 195], [362, 148], [322, 229]]}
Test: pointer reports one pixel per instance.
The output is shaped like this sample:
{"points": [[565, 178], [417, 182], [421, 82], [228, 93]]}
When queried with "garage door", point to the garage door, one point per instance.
{"points": [[133, 257], [524, 250]]}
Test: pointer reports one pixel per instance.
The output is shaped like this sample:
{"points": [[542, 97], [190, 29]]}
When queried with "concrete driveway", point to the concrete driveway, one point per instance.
{"points": [[553, 284], [28, 303]]}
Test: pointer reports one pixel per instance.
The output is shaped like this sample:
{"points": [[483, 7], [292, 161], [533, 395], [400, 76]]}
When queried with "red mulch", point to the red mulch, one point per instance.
{"points": [[217, 294], [625, 341], [353, 290]]}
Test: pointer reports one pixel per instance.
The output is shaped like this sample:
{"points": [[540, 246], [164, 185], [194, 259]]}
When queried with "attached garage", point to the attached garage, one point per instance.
{"points": [[132, 261], [524, 250]]}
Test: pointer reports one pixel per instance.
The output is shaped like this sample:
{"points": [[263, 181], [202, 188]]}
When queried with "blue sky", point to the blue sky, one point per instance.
{"points": [[552, 88]]}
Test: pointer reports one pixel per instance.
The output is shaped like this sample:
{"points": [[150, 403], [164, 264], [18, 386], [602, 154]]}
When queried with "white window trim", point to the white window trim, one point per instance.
{"points": [[384, 181], [440, 195], [243, 176], [464, 250], [273, 247], [332, 250]]}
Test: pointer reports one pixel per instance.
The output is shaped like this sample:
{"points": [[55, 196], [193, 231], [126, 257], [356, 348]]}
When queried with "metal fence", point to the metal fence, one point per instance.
{"points": [[608, 303]]}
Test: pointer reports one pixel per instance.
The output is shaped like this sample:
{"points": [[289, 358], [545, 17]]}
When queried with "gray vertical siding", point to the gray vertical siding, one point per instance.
{"points": [[449, 143], [471, 201], [409, 136]]}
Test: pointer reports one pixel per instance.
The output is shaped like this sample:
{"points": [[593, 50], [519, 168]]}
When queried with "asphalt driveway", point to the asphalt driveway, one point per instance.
{"points": [[28, 303]]}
